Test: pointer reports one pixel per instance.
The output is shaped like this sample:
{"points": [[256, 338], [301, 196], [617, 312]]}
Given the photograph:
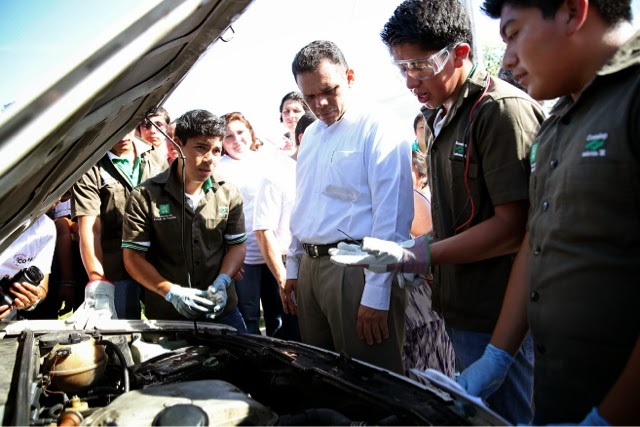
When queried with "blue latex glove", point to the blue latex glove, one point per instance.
{"points": [[217, 293], [379, 256], [594, 418], [190, 302], [483, 377]]}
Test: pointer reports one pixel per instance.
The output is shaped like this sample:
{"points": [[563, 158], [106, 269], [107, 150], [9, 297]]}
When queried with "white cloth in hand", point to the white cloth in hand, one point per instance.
{"points": [[98, 305]]}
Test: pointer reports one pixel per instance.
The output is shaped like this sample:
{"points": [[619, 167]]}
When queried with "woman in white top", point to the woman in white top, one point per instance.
{"points": [[246, 169], [292, 107]]}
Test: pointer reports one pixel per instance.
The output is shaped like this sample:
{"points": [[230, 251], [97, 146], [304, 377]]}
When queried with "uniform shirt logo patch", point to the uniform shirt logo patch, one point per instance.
{"points": [[532, 156], [595, 145], [164, 209], [223, 210], [458, 150]]}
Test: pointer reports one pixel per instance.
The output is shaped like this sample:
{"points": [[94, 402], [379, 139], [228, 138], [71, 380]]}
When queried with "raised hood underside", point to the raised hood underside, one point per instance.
{"points": [[48, 142]]}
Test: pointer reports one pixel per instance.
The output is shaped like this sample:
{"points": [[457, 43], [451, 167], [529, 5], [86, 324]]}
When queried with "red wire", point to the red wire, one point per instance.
{"points": [[466, 167]]}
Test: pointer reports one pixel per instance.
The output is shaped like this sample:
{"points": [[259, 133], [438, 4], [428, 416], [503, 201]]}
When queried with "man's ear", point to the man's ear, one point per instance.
{"points": [[573, 14], [350, 76], [461, 53]]}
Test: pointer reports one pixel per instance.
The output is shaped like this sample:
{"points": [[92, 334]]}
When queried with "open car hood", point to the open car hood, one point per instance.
{"points": [[48, 142]]}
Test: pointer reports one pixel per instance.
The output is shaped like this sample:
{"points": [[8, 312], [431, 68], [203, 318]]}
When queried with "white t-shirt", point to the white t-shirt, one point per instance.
{"points": [[275, 198], [35, 246], [247, 175]]}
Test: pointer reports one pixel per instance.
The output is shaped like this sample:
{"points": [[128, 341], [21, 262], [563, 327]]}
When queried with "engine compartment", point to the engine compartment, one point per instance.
{"points": [[210, 378]]}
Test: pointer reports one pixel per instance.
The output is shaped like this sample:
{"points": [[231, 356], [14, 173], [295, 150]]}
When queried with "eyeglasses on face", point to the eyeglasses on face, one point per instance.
{"points": [[424, 68]]}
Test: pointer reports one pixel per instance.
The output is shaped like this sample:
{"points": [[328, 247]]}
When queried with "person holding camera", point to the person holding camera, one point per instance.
{"points": [[31, 252]]}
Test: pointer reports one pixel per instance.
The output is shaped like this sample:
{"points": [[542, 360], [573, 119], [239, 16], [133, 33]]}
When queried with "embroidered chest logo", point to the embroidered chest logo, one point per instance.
{"points": [[164, 209], [595, 145], [458, 150], [223, 210], [532, 156]]}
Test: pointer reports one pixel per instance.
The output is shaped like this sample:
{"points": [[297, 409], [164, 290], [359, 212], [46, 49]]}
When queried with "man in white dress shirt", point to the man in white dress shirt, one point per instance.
{"points": [[353, 180]]}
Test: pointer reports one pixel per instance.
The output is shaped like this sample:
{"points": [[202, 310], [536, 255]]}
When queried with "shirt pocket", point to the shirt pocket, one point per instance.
{"points": [[345, 177]]}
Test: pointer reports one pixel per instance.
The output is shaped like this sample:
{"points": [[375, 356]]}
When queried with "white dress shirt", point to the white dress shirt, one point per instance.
{"points": [[354, 175]]}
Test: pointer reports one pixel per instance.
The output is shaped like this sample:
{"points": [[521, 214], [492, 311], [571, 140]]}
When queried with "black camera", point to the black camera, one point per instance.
{"points": [[32, 275]]}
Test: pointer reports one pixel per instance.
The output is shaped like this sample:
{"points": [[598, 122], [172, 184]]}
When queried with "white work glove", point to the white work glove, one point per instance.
{"points": [[410, 281], [190, 302], [380, 256], [217, 293], [97, 306]]}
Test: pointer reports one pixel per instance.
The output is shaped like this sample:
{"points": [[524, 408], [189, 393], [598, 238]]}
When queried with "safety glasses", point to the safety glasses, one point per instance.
{"points": [[425, 68]]}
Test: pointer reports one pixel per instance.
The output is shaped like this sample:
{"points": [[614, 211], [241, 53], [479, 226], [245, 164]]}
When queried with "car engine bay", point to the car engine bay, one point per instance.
{"points": [[206, 377]]}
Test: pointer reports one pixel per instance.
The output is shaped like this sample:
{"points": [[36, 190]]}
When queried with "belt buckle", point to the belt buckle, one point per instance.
{"points": [[316, 253]]}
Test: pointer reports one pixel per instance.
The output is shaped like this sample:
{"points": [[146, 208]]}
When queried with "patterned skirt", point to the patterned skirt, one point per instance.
{"points": [[426, 343]]}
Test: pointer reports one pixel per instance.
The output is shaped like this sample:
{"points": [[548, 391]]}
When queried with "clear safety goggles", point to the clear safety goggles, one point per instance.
{"points": [[425, 68]]}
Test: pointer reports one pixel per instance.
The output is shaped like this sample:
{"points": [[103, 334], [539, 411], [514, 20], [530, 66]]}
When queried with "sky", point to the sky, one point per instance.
{"points": [[251, 73]]}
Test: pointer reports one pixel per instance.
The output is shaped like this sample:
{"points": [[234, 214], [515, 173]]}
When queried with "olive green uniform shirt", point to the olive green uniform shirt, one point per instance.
{"points": [[154, 225], [584, 232], [102, 191], [496, 144]]}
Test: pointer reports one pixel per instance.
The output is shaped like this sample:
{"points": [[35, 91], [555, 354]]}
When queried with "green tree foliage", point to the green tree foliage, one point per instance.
{"points": [[492, 58]]}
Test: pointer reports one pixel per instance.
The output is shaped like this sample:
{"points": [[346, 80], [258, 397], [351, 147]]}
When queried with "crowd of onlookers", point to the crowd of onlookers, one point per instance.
{"points": [[500, 249]]}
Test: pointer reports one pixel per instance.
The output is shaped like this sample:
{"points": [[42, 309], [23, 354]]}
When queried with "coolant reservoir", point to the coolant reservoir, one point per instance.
{"points": [[75, 362]]}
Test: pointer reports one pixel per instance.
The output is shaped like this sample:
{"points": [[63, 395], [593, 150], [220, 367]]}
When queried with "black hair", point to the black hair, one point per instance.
{"points": [[416, 120], [303, 124], [156, 112], [430, 24], [199, 122], [293, 96], [612, 11], [309, 57]]}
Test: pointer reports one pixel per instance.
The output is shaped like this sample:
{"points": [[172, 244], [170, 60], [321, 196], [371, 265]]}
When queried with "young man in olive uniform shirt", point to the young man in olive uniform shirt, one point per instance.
{"points": [[575, 280], [214, 232], [479, 131], [97, 201]]}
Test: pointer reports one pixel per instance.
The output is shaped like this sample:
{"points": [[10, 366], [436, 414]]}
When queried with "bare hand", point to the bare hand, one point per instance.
{"points": [[239, 275], [26, 295], [288, 295], [372, 324], [5, 310]]}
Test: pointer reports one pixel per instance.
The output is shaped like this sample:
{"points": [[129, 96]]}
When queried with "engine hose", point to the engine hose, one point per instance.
{"points": [[121, 359]]}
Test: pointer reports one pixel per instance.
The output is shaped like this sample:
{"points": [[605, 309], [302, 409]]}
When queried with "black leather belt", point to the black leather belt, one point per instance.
{"points": [[316, 251]]}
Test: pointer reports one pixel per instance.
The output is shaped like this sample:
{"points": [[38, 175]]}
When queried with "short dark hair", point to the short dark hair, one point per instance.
{"points": [[612, 11], [156, 112], [416, 120], [309, 57], [199, 122], [430, 24], [303, 124], [293, 96]]}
